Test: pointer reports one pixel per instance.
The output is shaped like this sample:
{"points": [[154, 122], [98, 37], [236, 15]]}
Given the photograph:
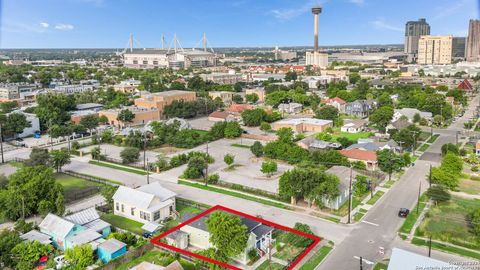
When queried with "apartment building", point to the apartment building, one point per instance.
{"points": [[435, 50]]}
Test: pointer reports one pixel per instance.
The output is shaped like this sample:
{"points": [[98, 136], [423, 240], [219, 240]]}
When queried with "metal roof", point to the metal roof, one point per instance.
{"points": [[57, 225], [111, 245], [84, 237], [97, 225], [151, 226], [405, 260], [84, 216], [143, 196], [35, 235]]}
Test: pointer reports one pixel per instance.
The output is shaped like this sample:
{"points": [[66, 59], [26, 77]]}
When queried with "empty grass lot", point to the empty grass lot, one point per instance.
{"points": [[317, 258], [448, 222], [117, 167], [124, 223], [70, 183]]}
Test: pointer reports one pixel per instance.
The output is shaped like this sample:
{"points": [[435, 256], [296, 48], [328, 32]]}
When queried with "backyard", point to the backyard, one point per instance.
{"points": [[448, 222], [156, 257], [123, 223], [351, 136], [76, 188]]}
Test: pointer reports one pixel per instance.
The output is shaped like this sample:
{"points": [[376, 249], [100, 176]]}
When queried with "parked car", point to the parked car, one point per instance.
{"points": [[19, 142], [403, 212], [147, 235], [42, 263]]}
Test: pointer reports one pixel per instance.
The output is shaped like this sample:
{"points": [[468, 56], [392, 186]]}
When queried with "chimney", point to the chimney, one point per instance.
{"points": [[315, 10]]}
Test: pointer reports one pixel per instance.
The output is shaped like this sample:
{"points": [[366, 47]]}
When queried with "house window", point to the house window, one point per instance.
{"points": [[156, 215], [145, 62], [142, 214], [171, 209], [135, 62], [117, 206], [123, 209], [147, 216], [132, 211]]}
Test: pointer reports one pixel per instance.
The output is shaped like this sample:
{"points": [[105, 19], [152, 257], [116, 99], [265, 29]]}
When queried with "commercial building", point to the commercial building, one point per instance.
{"points": [[435, 50], [72, 89], [16, 91], [141, 115], [161, 99], [222, 78], [473, 41], [413, 31], [160, 58], [458, 47], [300, 125], [128, 86], [225, 96]]}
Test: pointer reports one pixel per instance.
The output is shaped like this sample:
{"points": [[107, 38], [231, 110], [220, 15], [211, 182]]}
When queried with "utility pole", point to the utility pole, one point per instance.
{"points": [[361, 263], [430, 177], [1, 142], [206, 168], [144, 148], [414, 141], [148, 174], [430, 246], [350, 196]]}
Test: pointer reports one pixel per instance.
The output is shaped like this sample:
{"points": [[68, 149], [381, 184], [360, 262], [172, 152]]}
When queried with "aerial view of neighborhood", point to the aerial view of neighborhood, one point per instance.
{"points": [[242, 134]]}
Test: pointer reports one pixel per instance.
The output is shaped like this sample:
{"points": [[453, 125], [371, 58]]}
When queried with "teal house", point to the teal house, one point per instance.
{"points": [[111, 249]]}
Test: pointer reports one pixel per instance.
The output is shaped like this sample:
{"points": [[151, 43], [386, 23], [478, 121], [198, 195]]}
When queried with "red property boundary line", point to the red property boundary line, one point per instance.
{"points": [[157, 242]]}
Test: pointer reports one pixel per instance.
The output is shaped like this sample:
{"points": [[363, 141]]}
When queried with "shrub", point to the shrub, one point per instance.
{"points": [[75, 145], [129, 155], [252, 255], [213, 179], [257, 149]]}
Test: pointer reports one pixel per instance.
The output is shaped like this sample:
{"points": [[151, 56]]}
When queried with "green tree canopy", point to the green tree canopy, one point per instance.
{"points": [[227, 233]]}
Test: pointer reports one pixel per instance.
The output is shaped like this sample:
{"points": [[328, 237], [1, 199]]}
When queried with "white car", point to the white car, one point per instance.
{"points": [[60, 261]]}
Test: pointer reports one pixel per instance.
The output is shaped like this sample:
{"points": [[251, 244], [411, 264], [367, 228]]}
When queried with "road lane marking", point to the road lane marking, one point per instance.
{"points": [[363, 260], [371, 223]]}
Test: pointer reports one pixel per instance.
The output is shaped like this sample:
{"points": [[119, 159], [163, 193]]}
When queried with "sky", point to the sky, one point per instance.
{"points": [[227, 23]]}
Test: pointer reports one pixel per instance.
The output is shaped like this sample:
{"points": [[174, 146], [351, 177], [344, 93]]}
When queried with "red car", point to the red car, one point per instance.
{"points": [[42, 263]]}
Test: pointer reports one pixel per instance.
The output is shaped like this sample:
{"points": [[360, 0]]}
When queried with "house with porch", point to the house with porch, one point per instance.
{"points": [[343, 173], [365, 156], [259, 235]]}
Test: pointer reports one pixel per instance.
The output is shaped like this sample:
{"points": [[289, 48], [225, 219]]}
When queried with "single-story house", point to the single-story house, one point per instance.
{"points": [[406, 260], [219, 116], [300, 125], [237, 109], [399, 124], [367, 157], [291, 107], [337, 103], [310, 143], [89, 218], [259, 235], [35, 235], [410, 114], [148, 203], [343, 174], [110, 250], [354, 126]]}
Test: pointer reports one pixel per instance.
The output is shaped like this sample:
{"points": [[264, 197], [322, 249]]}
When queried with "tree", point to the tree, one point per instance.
{"points": [[96, 153], [229, 159], [323, 136], [450, 148], [28, 253], [130, 154], [59, 158], [251, 98], [8, 106], [437, 120], [232, 130], [107, 192], [285, 135], [407, 136], [15, 124], [257, 149], [80, 256], [38, 156], [195, 168], [237, 99], [8, 240], [416, 118], [107, 136], [269, 168], [291, 76], [327, 112], [353, 77], [254, 118], [381, 117], [177, 85], [475, 221], [452, 164], [90, 122], [389, 162], [438, 194], [125, 116], [227, 233], [265, 127]]}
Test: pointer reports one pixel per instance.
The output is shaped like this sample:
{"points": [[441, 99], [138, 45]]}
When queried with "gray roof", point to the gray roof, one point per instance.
{"points": [[55, 224], [343, 174], [405, 260], [143, 196], [151, 226], [84, 237], [365, 146], [35, 235], [89, 106], [410, 113], [175, 235], [261, 230], [84, 216], [401, 124], [97, 225], [112, 245]]}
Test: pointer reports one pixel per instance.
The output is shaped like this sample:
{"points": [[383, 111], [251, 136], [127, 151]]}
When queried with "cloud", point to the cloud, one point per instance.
{"points": [[290, 13], [64, 26], [44, 24], [380, 24], [454, 8], [357, 2]]}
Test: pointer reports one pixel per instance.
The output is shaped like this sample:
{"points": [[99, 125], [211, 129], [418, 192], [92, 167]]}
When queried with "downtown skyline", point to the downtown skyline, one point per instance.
{"points": [[240, 23]]}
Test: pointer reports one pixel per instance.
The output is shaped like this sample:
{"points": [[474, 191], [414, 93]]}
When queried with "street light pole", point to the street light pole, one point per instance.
{"points": [[206, 167]]}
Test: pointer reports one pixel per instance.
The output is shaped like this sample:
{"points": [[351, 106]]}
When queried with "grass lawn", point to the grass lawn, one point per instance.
{"points": [[380, 266], [448, 222], [352, 136], [240, 145], [183, 208], [389, 184], [234, 194], [156, 257], [449, 249], [167, 150], [288, 252], [375, 197], [424, 147], [433, 138], [70, 183], [469, 186], [412, 217], [317, 258], [358, 216], [265, 266], [423, 136], [117, 167], [124, 223]]}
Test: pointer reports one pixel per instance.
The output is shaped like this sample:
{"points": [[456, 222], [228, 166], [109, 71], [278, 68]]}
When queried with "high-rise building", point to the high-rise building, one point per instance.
{"points": [[473, 41], [413, 31], [458, 47], [316, 58], [435, 50]]}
